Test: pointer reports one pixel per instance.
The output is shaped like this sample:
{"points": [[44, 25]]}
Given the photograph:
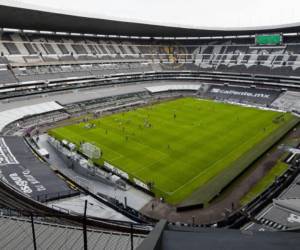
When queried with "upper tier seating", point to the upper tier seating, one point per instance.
{"points": [[222, 55], [29, 61]]}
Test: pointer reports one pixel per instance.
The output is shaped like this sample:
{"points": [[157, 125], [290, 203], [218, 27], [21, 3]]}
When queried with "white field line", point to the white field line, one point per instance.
{"points": [[151, 164], [119, 155], [146, 146], [201, 173], [209, 167], [164, 157], [116, 158]]}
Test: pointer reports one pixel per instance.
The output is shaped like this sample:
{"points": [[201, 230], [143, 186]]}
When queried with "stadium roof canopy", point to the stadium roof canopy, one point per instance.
{"points": [[34, 17]]}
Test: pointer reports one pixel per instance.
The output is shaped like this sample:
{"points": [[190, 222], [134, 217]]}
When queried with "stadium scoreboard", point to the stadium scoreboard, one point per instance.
{"points": [[268, 39]]}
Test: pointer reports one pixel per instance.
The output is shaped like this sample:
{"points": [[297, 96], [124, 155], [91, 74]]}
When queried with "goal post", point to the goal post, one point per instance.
{"points": [[91, 151]]}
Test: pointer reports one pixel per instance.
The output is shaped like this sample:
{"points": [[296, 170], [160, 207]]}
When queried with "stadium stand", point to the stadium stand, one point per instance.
{"points": [[16, 234], [12, 115], [63, 57], [24, 171], [283, 212], [173, 88], [245, 95], [224, 56], [289, 101], [49, 77]]}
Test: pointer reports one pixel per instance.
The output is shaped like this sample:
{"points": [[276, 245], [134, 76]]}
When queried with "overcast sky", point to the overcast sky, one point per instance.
{"points": [[201, 13]]}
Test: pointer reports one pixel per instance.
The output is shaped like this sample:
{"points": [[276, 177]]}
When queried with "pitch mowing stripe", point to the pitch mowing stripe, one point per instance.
{"points": [[216, 162], [202, 139], [225, 155], [172, 192]]}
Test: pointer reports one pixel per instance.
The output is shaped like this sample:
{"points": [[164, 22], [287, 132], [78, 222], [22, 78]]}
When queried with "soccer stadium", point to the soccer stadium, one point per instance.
{"points": [[122, 133]]}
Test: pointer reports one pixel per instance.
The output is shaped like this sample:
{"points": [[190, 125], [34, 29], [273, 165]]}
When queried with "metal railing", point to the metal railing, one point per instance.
{"points": [[34, 222]]}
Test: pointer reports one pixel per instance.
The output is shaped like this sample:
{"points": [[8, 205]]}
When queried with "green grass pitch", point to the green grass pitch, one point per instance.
{"points": [[180, 145]]}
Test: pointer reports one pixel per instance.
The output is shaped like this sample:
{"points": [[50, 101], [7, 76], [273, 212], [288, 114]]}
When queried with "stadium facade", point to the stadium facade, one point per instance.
{"points": [[58, 70]]}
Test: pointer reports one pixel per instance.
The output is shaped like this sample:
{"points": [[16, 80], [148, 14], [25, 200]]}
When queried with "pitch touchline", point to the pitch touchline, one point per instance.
{"points": [[206, 169], [151, 164], [203, 172]]}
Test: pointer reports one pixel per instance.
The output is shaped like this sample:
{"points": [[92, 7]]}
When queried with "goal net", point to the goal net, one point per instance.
{"points": [[91, 151]]}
